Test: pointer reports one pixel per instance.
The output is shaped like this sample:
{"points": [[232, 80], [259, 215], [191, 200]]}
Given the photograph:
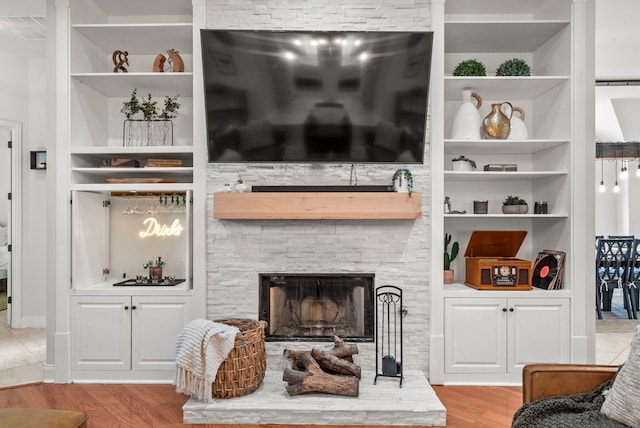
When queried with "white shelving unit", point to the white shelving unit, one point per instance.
{"points": [[117, 220], [543, 33]]}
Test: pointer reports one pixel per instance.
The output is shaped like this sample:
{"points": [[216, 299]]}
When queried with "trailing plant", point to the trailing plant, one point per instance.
{"points": [[404, 174], [514, 200], [449, 256], [514, 67], [470, 67]]}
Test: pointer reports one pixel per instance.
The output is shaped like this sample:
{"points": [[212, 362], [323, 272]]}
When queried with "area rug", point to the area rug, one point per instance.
{"points": [[616, 320]]}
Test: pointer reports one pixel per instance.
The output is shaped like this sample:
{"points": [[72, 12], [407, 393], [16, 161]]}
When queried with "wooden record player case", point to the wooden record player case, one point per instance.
{"points": [[491, 263]]}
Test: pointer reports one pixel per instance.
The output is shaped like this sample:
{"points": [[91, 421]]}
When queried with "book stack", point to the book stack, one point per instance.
{"points": [[119, 163], [501, 167], [163, 163]]}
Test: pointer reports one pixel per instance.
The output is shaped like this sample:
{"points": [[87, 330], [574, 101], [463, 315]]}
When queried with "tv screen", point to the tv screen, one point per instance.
{"points": [[305, 96]]}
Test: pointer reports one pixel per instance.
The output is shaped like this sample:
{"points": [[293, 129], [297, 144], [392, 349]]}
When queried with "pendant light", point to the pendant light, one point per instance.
{"points": [[616, 187], [602, 188], [624, 173]]}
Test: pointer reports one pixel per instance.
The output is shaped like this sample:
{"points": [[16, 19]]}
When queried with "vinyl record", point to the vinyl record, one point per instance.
{"points": [[544, 272]]}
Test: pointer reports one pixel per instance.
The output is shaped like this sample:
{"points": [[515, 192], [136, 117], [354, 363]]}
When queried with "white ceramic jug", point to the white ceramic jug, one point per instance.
{"points": [[518, 128], [467, 122]]}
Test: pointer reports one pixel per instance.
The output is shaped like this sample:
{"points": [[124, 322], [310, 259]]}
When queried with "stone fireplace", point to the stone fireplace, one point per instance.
{"points": [[315, 307]]}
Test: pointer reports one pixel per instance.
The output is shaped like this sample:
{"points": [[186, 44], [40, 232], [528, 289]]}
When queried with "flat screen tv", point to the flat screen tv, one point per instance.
{"points": [[316, 96]]}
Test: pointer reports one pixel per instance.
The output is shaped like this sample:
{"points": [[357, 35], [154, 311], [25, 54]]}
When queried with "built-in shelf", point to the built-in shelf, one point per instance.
{"points": [[502, 147], [499, 36], [317, 206], [121, 84], [139, 38], [502, 87], [518, 216], [500, 175]]}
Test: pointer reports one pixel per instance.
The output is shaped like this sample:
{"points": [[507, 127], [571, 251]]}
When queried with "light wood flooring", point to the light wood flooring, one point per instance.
{"points": [[138, 406]]}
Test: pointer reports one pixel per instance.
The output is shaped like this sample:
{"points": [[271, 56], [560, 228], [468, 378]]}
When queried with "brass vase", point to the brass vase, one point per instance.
{"points": [[496, 124]]}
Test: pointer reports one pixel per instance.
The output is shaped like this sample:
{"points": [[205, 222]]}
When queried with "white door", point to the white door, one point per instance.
{"points": [[101, 338], [475, 335], [5, 219], [90, 242], [156, 323], [538, 332]]}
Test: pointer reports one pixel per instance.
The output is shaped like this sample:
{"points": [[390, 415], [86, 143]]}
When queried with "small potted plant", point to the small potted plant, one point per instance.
{"points": [[449, 257], [470, 67], [514, 67], [514, 205], [403, 181], [461, 163]]}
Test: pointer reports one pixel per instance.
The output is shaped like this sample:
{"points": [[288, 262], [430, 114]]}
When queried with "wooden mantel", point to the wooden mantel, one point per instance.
{"points": [[317, 206]]}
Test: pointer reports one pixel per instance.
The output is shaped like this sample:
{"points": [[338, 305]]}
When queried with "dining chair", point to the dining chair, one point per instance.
{"points": [[613, 262], [633, 278]]}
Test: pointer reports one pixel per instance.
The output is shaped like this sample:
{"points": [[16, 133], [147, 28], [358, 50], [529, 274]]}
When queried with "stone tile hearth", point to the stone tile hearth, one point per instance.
{"points": [[383, 404]]}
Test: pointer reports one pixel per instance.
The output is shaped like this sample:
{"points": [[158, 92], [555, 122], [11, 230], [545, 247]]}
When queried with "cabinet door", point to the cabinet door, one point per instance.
{"points": [[538, 332], [101, 338], [90, 243], [475, 338], [155, 327]]}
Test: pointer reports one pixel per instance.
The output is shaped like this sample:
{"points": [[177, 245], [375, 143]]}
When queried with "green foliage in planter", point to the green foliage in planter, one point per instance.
{"points": [[514, 67], [470, 67], [514, 200], [404, 174], [147, 107], [449, 256]]}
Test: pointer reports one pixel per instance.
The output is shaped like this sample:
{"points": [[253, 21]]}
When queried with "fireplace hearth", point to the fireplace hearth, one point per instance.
{"points": [[317, 307]]}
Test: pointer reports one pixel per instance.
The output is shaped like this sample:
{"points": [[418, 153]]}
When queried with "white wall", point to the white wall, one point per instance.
{"points": [[23, 88], [395, 251]]}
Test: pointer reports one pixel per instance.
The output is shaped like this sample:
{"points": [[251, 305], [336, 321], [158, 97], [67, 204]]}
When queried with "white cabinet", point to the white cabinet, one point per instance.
{"points": [[127, 333], [497, 335]]}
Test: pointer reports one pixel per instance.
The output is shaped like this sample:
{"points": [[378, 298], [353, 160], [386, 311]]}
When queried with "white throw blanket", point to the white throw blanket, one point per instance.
{"points": [[201, 347]]}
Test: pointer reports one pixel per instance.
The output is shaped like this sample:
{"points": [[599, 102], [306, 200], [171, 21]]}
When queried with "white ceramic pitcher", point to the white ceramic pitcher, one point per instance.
{"points": [[519, 130], [467, 122]]}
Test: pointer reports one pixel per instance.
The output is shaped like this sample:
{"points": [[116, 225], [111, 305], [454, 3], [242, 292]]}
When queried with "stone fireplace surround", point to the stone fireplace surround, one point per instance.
{"points": [[396, 251]]}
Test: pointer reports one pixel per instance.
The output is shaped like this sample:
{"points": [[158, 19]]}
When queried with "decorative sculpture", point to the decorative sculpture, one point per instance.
{"points": [[120, 60], [175, 62], [158, 63]]}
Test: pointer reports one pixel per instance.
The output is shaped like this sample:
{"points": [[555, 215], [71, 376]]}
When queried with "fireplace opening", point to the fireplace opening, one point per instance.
{"points": [[315, 307]]}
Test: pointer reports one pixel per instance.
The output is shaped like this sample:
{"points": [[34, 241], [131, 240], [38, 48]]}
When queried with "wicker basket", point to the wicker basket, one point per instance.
{"points": [[243, 370]]}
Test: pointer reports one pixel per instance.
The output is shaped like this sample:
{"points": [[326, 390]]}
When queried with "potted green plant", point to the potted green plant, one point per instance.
{"points": [[403, 181], [514, 67], [462, 163], [144, 125], [514, 205], [470, 67], [449, 257]]}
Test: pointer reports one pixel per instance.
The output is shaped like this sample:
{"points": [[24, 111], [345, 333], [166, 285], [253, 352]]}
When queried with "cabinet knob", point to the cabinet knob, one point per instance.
{"points": [[134, 307], [510, 309], [126, 308], [504, 309]]}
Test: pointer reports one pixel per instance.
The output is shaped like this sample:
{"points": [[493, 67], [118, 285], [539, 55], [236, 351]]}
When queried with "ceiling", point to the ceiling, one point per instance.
{"points": [[617, 38]]}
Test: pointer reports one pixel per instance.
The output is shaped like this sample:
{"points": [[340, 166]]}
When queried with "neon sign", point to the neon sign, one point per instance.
{"points": [[154, 228]]}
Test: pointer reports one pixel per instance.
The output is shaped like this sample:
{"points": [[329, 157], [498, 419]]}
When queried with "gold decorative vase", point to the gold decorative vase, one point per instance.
{"points": [[496, 124]]}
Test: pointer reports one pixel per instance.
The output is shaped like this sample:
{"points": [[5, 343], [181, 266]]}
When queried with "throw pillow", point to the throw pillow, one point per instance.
{"points": [[256, 135], [622, 404]]}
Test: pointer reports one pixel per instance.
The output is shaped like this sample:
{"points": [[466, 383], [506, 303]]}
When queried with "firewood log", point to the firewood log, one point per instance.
{"points": [[314, 379]]}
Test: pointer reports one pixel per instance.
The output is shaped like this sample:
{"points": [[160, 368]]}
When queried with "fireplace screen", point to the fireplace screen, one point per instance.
{"points": [[315, 307]]}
